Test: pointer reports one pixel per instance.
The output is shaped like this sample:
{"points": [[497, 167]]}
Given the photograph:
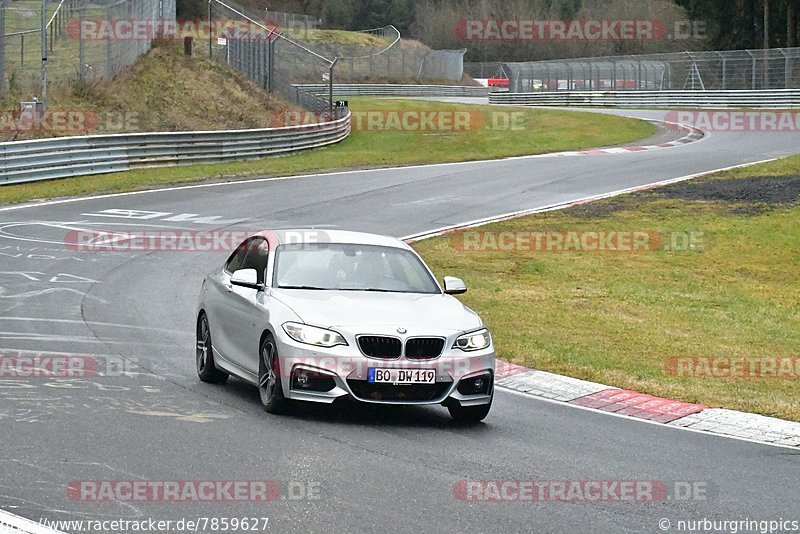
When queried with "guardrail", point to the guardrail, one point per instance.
{"points": [[777, 99], [379, 89], [45, 159]]}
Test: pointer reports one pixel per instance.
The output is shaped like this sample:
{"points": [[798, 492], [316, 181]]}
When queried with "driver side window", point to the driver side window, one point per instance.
{"points": [[235, 260], [256, 257]]}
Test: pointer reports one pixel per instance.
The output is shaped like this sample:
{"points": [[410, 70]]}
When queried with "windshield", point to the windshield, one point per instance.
{"points": [[345, 267]]}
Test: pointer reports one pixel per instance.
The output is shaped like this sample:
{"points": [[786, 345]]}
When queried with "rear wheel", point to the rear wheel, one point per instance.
{"points": [[206, 369], [469, 414], [269, 378]]}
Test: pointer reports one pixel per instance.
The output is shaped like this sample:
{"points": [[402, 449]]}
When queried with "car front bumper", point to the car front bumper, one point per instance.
{"points": [[324, 375]]}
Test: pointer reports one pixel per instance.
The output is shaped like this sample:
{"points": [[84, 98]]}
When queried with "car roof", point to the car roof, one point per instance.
{"points": [[314, 235]]}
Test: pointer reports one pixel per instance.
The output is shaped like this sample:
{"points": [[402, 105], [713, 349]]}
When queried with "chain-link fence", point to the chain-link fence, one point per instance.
{"points": [[391, 58], [280, 59], [777, 68], [257, 48], [485, 70], [86, 39], [294, 21]]}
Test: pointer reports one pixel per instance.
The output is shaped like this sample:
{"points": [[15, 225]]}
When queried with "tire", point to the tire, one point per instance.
{"points": [[469, 414], [206, 368], [270, 388]]}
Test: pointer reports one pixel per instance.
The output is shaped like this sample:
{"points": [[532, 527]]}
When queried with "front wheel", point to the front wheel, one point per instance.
{"points": [[206, 369], [269, 378], [469, 414]]}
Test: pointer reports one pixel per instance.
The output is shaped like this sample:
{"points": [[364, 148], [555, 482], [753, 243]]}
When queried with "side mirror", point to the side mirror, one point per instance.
{"points": [[454, 286], [246, 278]]}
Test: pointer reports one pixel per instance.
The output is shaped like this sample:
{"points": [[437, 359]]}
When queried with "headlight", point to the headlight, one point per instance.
{"points": [[473, 341], [312, 335]]}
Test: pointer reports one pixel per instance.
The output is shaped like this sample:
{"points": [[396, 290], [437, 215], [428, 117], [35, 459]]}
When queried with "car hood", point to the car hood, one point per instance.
{"points": [[359, 309]]}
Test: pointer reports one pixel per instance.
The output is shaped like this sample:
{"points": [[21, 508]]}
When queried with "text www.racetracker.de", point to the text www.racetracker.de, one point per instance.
{"points": [[198, 524]]}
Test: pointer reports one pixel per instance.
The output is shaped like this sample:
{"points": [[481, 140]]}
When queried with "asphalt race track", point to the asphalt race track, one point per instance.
{"points": [[345, 470]]}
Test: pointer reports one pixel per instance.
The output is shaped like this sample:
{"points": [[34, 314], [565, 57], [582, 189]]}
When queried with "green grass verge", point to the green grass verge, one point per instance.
{"points": [[538, 132], [338, 38], [619, 318]]}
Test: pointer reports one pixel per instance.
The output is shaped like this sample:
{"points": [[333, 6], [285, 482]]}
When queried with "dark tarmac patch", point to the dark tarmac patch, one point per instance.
{"points": [[748, 196], [770, 190], [603, 208]]}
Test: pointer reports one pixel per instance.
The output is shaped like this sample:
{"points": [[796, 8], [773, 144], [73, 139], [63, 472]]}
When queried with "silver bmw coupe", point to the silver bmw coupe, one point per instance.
{"points": [[316, 316]]}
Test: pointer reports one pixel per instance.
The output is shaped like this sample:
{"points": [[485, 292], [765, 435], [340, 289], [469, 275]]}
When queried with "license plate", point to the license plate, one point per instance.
{"points": [[401, 376]]}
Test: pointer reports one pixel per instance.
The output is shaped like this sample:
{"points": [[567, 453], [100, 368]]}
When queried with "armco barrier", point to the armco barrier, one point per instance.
{"points": [[395, 90], [775, 99], [64, 157]]}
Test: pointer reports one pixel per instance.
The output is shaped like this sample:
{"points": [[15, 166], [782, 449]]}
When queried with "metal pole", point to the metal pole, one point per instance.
{"points": [[44, 53], [787, 81], [210, 33], [2, 46], [268, 78], [81, 48], [570, 79], [109, 58], [639, 76], [330, 87], [271, 63], [614, 75]]}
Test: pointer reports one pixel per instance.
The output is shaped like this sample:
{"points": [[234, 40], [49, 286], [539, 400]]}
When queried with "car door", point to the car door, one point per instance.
{"points": [[217, 299], [244, 309]]}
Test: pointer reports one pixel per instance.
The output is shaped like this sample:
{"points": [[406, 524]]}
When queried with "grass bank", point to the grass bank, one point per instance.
{"points": [[717, 282]]}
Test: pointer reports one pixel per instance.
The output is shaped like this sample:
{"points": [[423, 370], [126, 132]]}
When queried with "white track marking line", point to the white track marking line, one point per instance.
{"points": [[566, 204], [645, 421], [93, 323]]}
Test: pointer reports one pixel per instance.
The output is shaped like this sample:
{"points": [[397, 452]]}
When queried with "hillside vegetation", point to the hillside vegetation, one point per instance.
{"points": [[163, 91]]}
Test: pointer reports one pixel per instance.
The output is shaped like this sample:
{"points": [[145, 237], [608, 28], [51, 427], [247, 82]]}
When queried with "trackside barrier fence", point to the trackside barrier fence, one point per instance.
{"points": [[44, 159], [395, 90], [775, 99]]}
